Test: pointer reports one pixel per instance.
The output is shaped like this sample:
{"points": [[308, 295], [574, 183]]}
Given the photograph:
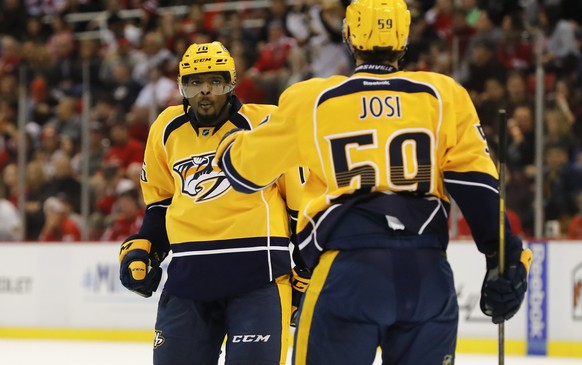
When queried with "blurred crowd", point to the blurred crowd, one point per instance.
{"points": [[489, 46]]}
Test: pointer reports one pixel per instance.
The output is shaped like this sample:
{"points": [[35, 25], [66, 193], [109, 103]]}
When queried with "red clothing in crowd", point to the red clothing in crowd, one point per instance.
{"points": [[274, 55], [575, 228], [124, 155], [123, 227], [67, 232]]}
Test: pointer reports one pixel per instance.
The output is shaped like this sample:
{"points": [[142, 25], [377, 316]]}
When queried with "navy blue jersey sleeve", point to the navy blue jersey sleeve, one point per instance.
{"points": [[477, 195], [154, 226]]}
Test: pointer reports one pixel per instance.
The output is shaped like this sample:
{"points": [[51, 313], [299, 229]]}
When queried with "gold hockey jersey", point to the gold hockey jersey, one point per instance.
{"points": [[223, 242], [395, 142]]}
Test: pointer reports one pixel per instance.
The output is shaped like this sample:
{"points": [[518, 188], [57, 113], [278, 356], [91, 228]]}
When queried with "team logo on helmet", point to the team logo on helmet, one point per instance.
{"points": [[201, 179]]}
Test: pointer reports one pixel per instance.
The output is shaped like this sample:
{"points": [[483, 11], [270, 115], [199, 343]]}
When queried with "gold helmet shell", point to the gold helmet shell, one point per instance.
{"points": [[377, 25]]}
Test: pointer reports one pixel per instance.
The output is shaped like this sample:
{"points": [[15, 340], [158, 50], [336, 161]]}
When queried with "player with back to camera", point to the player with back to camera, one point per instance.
{"points": [[230, 269], [384, 148]]}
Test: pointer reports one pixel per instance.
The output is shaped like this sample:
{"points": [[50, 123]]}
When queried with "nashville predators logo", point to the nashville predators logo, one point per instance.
{"points": [[201, 179], [158, 339]]}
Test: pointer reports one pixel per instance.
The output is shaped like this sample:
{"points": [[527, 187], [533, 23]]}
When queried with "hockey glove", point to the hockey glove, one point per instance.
{"points": [[140, 269], [300, 279], [501, 296]]}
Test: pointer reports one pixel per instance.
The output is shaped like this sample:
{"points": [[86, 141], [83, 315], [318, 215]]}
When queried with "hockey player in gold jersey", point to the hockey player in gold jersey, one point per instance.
{"points": [[230, 270], [384, 148]]}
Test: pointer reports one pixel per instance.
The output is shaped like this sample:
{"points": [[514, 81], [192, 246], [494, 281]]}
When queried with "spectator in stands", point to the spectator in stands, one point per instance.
{"points": [[471, 10], [575, 227], [122, 88], [58, 226], [248, 91], [489, 102], [271, 70], [10, 55], [35, 195], [35, 31], [61, 46], [318, 29], [481, 66], [88, 55], [11, 227], [419, 42], [155, 55], [106, 112], [461, 32], [485, 31], [521, 144], [64, 182], [98, 146], [562, 182], [192, 23], [8, 134], [13, 18], [157, 93], [515, 48], [126, 218], [562, 51], [67, 119], [133, 173], [276, 12], [440, 17], [558, 131], [123, 150], [517, 92], [106, 186]]}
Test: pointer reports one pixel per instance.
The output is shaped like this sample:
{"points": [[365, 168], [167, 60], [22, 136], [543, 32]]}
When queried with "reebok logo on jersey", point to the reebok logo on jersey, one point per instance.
{"points": [[158, 339], [201, 179], [250, 338]]}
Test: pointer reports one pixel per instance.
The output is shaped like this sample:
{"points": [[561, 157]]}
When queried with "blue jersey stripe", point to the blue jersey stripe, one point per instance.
{"points": [[364, 84]]}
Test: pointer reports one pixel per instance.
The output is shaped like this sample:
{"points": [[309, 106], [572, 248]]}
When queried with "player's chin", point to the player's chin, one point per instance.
{"points": [[206, 117]]}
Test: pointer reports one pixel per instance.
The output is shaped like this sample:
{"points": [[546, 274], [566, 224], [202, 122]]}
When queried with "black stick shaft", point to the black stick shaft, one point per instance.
{"points": [[502, 156]]}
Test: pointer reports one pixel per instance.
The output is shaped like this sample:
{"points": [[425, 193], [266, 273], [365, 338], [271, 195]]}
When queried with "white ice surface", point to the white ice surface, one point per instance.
{"points": [[42, 352]]}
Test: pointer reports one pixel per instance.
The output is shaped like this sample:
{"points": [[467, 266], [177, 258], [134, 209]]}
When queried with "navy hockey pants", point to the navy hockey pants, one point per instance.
{"points": [[401, 300], [192, 332]]}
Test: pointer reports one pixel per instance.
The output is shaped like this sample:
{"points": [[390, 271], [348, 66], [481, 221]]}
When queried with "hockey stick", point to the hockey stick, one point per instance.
{"points": [[502, 162]]}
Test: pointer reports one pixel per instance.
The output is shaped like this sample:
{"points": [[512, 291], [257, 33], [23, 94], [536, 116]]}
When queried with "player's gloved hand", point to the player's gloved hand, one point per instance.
{"points": [[300, 279], [140, 269], [501, 296]]}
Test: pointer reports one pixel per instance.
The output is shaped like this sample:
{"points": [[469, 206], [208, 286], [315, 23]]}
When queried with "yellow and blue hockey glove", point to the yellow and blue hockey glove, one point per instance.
{"points": [[501, 296], [140, 269], [300, 279]]}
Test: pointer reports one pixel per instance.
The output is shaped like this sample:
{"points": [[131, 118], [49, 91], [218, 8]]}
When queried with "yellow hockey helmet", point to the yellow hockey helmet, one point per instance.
{"points": [[204, 58], [377, 25]]}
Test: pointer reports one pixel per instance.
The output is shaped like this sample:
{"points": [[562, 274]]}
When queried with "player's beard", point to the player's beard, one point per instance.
{"points": [[211, 115]]}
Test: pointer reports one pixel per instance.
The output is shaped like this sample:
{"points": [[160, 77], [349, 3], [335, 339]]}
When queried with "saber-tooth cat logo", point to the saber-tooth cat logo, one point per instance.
{"points": [[201, 179]]}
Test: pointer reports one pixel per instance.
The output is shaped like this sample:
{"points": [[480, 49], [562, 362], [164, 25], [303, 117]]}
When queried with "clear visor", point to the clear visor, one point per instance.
{"points": [[193, 85]]}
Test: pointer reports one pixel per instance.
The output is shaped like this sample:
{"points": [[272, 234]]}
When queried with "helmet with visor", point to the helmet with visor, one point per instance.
{"points": [[196, 66]]}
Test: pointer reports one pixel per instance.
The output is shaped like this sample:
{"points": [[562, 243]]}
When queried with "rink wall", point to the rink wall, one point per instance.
{"points": [[72, 291]]}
